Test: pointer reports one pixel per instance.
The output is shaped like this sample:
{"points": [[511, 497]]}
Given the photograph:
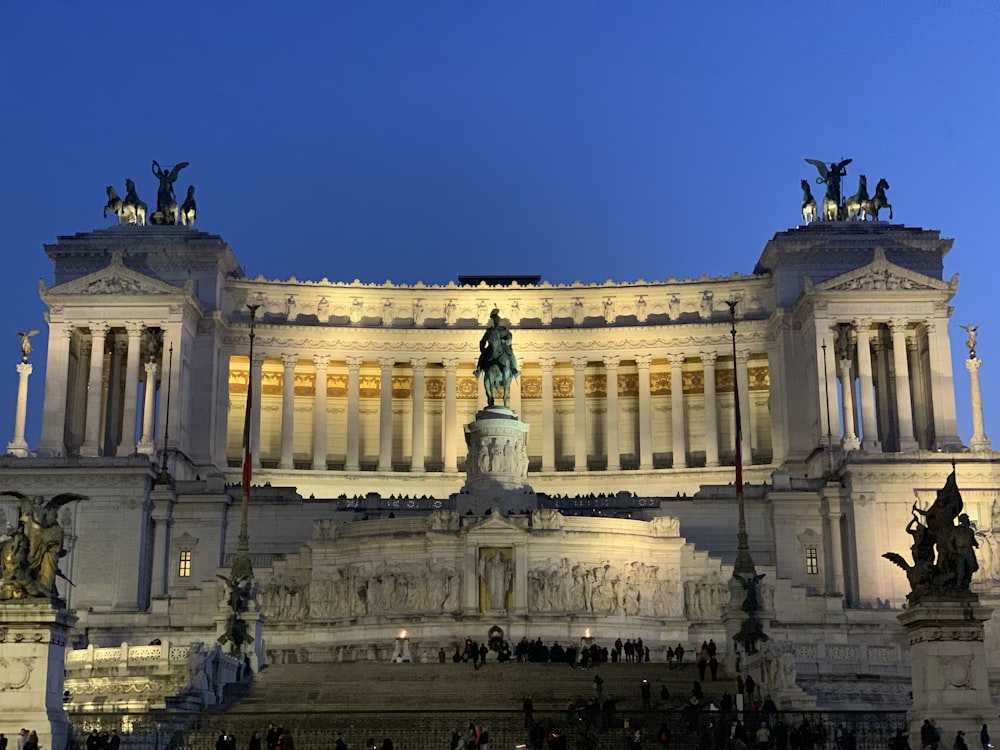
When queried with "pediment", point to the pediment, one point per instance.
{"points": [[883, 275], [495, 522], [114, 279]]}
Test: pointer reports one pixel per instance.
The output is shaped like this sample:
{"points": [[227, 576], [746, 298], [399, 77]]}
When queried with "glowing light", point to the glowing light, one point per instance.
{"points": [[586, 633], [403, 635]]}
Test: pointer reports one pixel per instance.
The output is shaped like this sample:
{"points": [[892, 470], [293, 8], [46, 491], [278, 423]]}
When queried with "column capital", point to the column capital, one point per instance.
{"points": [[289, 360], [708, 359], [321, 361], [971, 364], [897, 325], [151, 368], [862, 324], [386, 363], [354, 363], [742, 356], [450, 363], [258, 359], [98, 329], [419, 364], [547, 364], [932, 324], [611, 361], [643, 361], [676, 360], [24, 369], [579, 363], [134, 328]]}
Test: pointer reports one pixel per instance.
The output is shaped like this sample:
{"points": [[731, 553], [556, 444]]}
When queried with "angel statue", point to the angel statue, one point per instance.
{"points": [[29, 558], [26, 347], [969, 342], [831, 178], [166, 200]]}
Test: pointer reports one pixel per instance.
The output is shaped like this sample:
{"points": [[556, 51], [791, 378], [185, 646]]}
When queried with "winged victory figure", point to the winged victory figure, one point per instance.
{"points": [[26, 347], [831, 178]]}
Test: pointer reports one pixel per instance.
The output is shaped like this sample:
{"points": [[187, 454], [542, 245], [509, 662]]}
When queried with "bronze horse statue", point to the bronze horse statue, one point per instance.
{"points": [[878, 201], [809, 210], [854, 207], [497, 362]]}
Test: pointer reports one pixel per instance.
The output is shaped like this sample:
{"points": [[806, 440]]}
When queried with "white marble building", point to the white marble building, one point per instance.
{"points": [[628, 392]]}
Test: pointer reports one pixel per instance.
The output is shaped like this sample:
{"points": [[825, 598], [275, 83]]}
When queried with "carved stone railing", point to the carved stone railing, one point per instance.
{"points": [[144, 677]]}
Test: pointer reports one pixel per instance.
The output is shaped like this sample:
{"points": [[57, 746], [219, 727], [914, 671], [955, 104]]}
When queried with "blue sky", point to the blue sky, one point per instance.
{"points": [[421, 140]]}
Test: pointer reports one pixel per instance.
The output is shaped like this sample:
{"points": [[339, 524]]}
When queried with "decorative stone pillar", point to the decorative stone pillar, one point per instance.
{"points": [[923, 421], [385, 413], [849, 441], [979, 442], [322, 363], [743, 383], [611, 362], [942, 391], [643, 363], [579, 413], [19, 446], [450, 413], [419, 365], [708, 360], [146, 444], [257, 382], [869, 435], [131, 402], [161, 514], [904, 406], [677, 410], [56, 377], [288, 362], [353, 413], [832, 511], [95, 382], [33, 652], [548, 365]]}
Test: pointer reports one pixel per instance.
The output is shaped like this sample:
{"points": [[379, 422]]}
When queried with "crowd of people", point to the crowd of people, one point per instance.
{"points": [[589, 653], [26, 740]]}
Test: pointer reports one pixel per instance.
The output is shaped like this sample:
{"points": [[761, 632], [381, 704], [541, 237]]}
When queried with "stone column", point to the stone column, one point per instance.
{"points": [[611, 362], [869, 435], [514, 392], [743, 383], [979, 442], [19, 446], [353, 413], [450, 413], [850, 440], [385, 413], [942, 390], [904, 407], [922, 419], [288, 362], [579, 413], [833, 514], [548, 364], [111, 408], [95, 382], [257, 380], [417, 448], [127, 445], [708, 360], [56, 377], [645, 417], [161, 514], [322, 363], [677, 410], [146, 444]]}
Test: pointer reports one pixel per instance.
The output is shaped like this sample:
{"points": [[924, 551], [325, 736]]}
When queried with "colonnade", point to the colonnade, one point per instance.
{"points": [[547, 365], [894, 383]]}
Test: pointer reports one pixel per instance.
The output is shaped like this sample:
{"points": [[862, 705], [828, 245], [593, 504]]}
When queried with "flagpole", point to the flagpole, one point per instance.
{"points": [[242, 567], [744, 562]]}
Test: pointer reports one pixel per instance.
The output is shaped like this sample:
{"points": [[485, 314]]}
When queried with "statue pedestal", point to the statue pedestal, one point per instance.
{"points": [[33, 637], [496, 468], [948, 667]]}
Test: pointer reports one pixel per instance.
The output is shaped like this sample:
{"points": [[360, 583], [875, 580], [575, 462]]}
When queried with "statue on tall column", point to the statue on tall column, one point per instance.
{"points": [[26, 347], [497, 362]]}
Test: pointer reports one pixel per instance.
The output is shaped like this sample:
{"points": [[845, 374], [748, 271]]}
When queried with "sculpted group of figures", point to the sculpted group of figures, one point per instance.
{"points": [[131, 209], [859, 206], [631, 589], [30, 552], [943, 549]]}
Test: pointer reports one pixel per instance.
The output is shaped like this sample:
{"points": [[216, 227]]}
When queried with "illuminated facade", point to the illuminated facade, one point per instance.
{"points": [[628, 391]]}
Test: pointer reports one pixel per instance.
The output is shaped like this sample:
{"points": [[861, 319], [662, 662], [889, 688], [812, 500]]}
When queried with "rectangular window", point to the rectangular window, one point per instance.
{"points": [[184, 568], [812, 561]]}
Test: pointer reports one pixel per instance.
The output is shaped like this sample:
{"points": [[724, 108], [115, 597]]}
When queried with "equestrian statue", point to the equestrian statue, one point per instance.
{"points": [[497, 362], [858, 207]]}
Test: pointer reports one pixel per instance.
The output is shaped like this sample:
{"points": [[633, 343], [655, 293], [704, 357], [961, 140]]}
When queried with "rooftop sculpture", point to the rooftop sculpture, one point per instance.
{"points": [[859, 206], [132, 210]]}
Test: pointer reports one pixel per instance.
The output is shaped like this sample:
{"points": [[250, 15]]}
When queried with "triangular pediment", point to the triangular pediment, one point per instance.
{"points": [[114, 279], [494, 522], [883, 275]]}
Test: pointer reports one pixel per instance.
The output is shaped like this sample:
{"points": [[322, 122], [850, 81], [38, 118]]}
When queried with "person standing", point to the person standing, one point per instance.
{"points": [[254, 743], [679, 654], [528, 706], [984, 738], [3, 740], [960, 743], [645, 692]]}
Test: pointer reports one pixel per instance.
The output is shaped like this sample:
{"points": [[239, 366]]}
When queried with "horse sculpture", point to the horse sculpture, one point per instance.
{"points": [[497, 362], [114, 205], [809, 212], [831, 211], [133, 209], [854, 206], [189, 208], [878, 202]]}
